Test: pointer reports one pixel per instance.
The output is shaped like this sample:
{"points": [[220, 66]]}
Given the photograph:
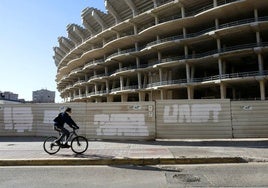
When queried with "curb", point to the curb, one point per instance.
{"points": [[120, 161]]}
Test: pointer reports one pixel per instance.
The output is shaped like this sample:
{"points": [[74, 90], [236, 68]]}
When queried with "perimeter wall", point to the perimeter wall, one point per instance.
{"points": [[166, 119]]}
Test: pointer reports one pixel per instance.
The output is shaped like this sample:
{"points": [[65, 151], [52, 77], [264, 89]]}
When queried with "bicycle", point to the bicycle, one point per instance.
{"points": [[79, 144]]}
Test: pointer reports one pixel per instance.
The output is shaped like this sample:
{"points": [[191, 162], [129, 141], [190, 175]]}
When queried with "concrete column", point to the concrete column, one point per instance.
{"points": [[262, 89], [137, 62], [96, 88], [124, 97], [136, 46], [258, 37], [190, 92], [186, 53], [219, 45], [157, 38], [215, 3], [151, 96], [182, 12], [121, 82], [106, 71], [188, 72], [162, 94], [141, 96], [135, 29], [220, 66], [223, 90], [184, 32], [145, 80], [107, 86], [117, 35], [79, 92], [155, 3], [86, 90], [260, 62], [217, 23], [139, 80], [159, 56], [156, 20], [160, 74], [256, 14]]}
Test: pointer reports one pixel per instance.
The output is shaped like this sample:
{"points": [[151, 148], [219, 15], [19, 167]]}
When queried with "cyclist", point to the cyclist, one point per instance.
{"points": [[59, 121]]}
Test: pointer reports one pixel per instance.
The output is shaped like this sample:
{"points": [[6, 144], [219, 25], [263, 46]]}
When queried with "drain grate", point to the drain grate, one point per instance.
{"points": [[186, 179]]}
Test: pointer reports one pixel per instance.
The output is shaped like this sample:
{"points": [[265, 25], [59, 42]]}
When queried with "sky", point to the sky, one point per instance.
{"points": [[29, 31]]}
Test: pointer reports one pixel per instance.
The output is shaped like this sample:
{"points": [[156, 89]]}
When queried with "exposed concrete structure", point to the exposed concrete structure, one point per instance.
{"points": [[166, 49]]}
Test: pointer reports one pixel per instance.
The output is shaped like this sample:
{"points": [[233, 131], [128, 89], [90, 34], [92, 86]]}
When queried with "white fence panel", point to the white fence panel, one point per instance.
{"points": [[179, 119], [250, 119], [121, 120]]}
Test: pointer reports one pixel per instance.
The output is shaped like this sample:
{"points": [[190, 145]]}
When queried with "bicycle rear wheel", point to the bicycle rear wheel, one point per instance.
{"points": [[79, 144], [50, 146]]}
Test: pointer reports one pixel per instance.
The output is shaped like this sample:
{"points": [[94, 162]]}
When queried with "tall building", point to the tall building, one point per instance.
{"points": [[144, 50], [44, 96]]}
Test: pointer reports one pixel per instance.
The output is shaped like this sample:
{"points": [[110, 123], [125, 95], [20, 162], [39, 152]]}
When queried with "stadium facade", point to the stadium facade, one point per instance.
{"points": [[145, 50]]}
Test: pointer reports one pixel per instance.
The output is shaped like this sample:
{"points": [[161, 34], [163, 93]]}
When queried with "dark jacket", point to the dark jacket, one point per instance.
{"points": [[64, 118]]}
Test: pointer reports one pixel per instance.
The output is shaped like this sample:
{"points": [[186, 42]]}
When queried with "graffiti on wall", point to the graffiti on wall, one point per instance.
{"points": [[195, 113], [19, 119], [120, 125]]}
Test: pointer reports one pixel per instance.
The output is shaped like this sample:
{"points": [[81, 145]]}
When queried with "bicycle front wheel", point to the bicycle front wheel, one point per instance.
{"points": [[79, 144], [50, 146]]}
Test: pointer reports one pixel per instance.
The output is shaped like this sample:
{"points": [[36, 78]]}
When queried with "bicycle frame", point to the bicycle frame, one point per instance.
{"points": [[72, 134]]}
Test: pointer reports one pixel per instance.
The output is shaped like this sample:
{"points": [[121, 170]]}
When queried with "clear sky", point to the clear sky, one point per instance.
{"points": [[29, 31]]}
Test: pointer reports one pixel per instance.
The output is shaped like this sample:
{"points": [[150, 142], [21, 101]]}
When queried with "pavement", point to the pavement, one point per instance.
{"points": [[23, 151]]}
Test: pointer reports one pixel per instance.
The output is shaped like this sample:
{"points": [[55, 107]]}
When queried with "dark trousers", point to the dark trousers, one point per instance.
{"points": [[64, 132]]}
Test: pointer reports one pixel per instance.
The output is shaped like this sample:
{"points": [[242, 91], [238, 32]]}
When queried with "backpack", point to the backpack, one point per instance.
{"points": [[58, 119]]}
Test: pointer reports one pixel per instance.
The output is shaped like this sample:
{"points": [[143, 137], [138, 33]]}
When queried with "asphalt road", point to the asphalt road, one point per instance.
{"points": [[216, 175]]}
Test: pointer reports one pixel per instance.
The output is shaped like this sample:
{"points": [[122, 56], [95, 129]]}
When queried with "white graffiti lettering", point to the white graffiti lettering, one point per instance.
{"points": [[196, 113], [120, 125]]}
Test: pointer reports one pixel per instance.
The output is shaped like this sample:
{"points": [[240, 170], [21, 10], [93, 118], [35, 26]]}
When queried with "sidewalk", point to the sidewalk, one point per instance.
{"points": [[29, 151]]}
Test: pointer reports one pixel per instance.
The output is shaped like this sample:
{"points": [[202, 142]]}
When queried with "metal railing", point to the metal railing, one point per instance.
{"points": [[210, 78], [180, 81]]}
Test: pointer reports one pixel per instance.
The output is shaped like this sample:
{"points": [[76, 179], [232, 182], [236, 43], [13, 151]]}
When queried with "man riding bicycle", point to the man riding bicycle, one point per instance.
{"points": [[59, 121]]}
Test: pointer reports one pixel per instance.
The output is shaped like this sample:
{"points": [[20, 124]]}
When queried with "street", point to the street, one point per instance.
{"points": [[207, 175]]}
